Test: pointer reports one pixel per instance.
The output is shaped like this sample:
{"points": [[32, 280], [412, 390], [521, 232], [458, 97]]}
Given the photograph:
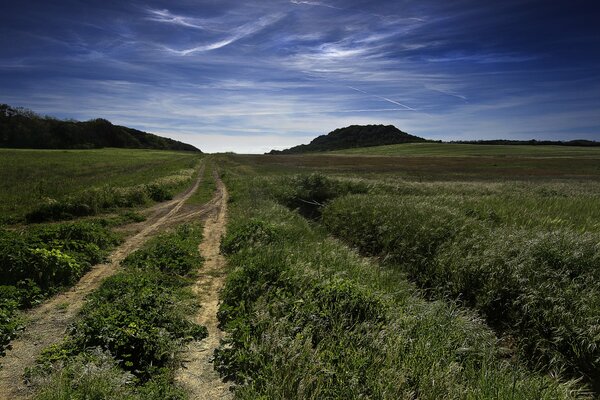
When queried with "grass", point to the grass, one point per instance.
{"points": [[207, 187], [38, 262], [473, 150], [430, 168], [308, 318], [127, 338], [29, 178]]}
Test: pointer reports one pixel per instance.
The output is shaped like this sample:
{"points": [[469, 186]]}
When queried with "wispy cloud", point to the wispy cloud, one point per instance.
{"points": [[314, 3], [241, 32], [165, 16]]}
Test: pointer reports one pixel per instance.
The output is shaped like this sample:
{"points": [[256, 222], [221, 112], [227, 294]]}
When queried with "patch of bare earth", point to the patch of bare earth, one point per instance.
{"points": [[197, 375], [47, 323]]}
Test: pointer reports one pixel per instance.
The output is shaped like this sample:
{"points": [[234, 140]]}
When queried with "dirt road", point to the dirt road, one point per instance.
{"points": [[198, 375], [47, 323]]}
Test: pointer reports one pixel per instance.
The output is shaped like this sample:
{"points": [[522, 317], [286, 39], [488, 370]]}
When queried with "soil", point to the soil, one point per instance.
{"points": [[47, 323], [197, 374]]}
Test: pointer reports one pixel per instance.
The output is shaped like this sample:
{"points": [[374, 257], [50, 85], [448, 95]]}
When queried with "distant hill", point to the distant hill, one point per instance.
{"points": [[22, 128], [352, 137]]}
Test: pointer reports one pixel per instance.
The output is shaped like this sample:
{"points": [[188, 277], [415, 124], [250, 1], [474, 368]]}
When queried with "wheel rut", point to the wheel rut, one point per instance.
{"points": [[47, 323], [197, 374]]}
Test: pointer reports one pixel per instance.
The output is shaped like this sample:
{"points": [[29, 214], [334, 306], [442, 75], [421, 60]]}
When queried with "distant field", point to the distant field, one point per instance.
{"points": [[473, 150], [27, 177], [432, 167]]}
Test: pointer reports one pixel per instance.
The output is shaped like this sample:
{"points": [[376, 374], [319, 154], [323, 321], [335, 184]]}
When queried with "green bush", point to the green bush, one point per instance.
{"points": [[140, 316]]}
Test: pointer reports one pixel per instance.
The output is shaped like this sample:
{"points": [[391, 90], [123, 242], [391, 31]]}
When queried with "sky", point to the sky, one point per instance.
{"points": [[251, 76]]}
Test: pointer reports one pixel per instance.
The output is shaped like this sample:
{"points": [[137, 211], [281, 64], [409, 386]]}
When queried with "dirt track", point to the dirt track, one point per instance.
{"points": [[47, 323], [198, 375]]}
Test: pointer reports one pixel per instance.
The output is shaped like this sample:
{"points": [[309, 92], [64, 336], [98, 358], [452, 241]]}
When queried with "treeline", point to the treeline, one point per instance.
{"points": [[533, 142], [354, 136], [23, 128]]}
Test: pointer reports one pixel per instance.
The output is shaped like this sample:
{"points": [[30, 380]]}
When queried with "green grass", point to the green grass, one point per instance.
{"points": [[38, 262], [473, 150], [308, 318], [31, 177], [207, 187], [129, 334]]}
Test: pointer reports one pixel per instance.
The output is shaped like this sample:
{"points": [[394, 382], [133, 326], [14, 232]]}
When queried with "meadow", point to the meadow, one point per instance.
{"points": [[30, 178], [448, 275], [501, 252]]}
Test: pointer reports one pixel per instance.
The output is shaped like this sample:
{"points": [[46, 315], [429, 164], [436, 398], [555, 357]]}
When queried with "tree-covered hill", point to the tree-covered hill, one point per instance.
{"points": [[22, 128], [354, 136]]}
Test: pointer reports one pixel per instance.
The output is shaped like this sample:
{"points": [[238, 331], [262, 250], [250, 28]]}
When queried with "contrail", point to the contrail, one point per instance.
{"points": [[383, 98]]}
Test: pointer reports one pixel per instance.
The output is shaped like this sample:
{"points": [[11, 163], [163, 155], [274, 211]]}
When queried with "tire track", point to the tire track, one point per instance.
{"points": [[46, 324], [197, 374]]}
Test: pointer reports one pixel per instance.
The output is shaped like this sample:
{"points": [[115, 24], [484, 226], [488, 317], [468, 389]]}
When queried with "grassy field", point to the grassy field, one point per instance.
{"points": [[473, 150], [504, 248], [349, 276], [30, 177]]}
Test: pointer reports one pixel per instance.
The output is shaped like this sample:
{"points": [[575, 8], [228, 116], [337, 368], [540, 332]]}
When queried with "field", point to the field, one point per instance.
{"points": [[474, 150], [30, 177], [434, 272], [502, 250]]}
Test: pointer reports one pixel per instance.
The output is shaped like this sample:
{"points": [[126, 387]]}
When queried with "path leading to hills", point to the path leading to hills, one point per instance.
{"points": [[46, 324], [197, 374]]}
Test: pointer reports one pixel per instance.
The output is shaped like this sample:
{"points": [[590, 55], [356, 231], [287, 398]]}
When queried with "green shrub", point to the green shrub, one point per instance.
{"points": [[141, 315], [38, 262]]}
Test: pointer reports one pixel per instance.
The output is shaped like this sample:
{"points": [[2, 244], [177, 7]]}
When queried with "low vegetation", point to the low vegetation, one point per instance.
{"points": [[127, 338], [207, 187], [39, 261], [30, 179], [97, 200], [308, 318], [540, 287]]}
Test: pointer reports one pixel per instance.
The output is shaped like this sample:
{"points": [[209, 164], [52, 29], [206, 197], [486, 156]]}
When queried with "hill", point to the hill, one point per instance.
{"points": [[352, 137], [22, 128]]}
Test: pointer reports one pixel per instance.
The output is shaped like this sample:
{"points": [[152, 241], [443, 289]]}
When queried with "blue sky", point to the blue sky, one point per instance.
{"points": [[252, 76]]}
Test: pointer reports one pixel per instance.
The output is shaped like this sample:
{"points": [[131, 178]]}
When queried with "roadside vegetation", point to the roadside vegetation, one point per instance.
{"points": [[535, 285], [50, 184], [308, 318], [126, 341], [38, 262], [207, 187]]}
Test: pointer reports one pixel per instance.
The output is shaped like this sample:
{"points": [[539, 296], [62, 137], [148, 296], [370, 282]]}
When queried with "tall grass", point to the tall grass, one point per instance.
{"points": [[540, 287], [308, 318]]}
